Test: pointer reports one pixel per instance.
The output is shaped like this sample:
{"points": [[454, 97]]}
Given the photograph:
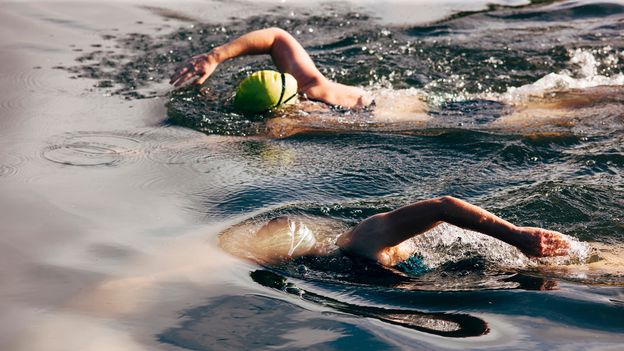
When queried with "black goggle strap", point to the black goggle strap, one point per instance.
{"points": [[283, 91], [279, 102]]}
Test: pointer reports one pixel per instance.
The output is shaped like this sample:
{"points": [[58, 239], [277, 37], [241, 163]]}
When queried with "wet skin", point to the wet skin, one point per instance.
{"points": [[378, 237], [383, 237], [289, 57]]}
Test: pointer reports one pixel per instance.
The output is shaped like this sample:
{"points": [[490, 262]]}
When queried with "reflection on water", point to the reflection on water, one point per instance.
{"points": [[112, 203], [444, 324], [249, 322]]}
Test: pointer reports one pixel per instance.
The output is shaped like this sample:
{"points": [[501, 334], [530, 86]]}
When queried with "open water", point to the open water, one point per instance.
{"points": [[116, 188]]}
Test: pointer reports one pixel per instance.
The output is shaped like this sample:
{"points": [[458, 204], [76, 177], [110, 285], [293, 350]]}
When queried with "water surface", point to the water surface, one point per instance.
{"points": [[115, 188]]}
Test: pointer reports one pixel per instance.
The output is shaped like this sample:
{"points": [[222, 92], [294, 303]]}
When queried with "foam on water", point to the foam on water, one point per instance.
{"points": [[449, 244], [444, 250], [585, 76], [108, 241]]}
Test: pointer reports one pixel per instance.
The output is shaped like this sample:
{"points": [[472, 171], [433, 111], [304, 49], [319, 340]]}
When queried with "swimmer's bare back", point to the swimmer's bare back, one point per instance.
{"points": [[289, 57]]}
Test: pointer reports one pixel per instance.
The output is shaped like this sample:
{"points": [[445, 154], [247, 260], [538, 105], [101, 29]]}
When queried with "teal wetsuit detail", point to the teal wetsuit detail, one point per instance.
{"points": [[413, 266]]}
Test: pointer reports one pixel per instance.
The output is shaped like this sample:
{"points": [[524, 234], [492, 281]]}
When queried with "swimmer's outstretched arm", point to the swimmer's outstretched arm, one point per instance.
{"points": [[289, 57], [378, 237]]}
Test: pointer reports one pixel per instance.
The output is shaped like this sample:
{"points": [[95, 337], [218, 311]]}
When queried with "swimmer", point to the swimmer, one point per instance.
{"points": [[384, 237], [288, 56], [398, 110], [266, 90]]}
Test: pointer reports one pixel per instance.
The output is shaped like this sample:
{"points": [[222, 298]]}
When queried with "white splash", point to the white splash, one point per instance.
{"points": [[447, 244], [587, 73]]}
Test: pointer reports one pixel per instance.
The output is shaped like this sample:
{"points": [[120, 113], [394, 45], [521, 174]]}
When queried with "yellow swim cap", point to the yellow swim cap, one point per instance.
{"points": [[264, 90]]}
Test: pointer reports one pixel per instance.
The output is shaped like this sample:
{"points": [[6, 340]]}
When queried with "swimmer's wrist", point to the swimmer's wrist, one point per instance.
{"points": [[216, 55], [512, 236]]}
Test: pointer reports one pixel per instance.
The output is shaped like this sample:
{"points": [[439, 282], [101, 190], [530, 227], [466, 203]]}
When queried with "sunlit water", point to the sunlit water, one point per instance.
{"points": [[125, 203]]}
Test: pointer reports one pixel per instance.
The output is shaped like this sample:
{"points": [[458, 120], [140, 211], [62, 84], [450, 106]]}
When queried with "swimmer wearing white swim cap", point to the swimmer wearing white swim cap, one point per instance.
{"points": [[383, 237], [378, 237]]}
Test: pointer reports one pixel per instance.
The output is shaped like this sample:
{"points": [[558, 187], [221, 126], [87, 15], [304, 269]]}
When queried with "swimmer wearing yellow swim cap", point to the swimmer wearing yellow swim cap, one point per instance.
{"points": [[377, 237], [262, 90], [265, 90]]}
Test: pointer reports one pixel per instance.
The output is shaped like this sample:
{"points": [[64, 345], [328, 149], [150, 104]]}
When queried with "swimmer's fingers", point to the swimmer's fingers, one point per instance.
{"points": [[204, 72], [175, 80], [560, 251], [559, 246], [184, 79], [180, 72], [539, 242], [554, 244], [199, 65], [189, 66], [202, 79]]}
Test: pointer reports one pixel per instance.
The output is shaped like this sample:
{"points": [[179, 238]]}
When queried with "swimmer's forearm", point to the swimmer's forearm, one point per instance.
{"points": [[419, 217], [253, 43], [203, 65], [288, 56], [287, 53], [414, 219], [378, 237]]}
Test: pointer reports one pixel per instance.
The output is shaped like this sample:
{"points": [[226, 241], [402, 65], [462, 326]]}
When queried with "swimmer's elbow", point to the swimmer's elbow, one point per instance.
{"points": [[277, 31], [278, 34], [267, 38], [447, 201]]}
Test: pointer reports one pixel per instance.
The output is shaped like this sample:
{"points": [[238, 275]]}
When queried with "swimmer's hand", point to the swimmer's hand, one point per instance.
{"points": [[538, 242], [200, 66]]}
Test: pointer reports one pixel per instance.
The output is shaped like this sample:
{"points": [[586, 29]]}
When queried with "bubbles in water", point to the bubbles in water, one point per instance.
{"points": [[449, 244]]}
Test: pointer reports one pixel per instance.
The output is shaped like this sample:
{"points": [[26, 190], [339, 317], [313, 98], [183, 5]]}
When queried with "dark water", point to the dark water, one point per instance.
{"points": [[567, 177], [469, 55]]}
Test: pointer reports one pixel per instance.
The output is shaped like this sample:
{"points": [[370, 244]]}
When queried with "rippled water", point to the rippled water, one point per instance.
{"points": [[140, 193]]}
